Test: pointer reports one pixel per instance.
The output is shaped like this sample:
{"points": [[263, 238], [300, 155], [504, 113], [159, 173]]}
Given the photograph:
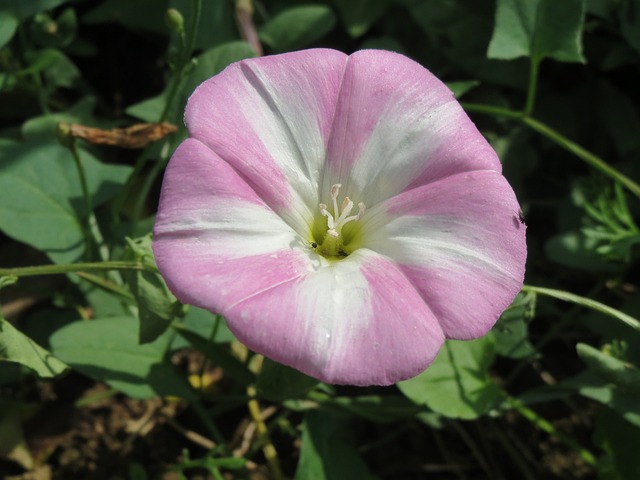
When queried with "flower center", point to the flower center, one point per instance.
{"points": [[333, 244]]}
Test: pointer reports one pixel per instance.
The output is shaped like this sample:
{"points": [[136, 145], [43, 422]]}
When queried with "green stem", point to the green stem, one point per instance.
{"points": [[75, 267], [85, 196], [572, 147], [590, 158], [491, 110], [585, 302], [533, 86], [184, 58], [548, 427]]}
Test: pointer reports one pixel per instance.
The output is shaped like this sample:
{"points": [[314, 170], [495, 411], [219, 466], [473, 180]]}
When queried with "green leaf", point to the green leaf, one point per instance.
{"points": [[538, 29], [44, 128], [157, 306], [277, 382], [203, 322], [216, 25], [460, 88], [23, 9], [619, 440], [233, 367], [145, 15], [107, 349], [594, 387], [457, 384], [328, 450], [376, 408], [8, 27], [213, 61], [41, 197], [297, 27], [612, 369], [511, 333], [359, 15], [17, 347], [207, 65]]}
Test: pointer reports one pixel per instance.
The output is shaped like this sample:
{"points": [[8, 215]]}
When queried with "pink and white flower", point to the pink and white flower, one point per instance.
{"points": [[342, 212]]}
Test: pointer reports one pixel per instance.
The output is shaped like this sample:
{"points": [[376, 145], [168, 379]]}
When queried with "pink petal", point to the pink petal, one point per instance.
{"points": [[270, 119], [460, 242], [358, 321], [211, 225], [398, 125]]}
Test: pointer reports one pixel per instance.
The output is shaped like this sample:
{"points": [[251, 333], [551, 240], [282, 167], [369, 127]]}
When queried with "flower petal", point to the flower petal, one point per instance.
{"points": [[270, 119], [460, 242], [397, 125], [357, 321], [210, 225]]}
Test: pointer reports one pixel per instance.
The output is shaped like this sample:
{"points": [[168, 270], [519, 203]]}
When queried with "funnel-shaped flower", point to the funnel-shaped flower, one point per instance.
{"points": [[342, 212]]}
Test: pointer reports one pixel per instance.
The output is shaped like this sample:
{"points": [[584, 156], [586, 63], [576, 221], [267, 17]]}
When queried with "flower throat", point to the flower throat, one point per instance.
{"points": [[333, 245]]}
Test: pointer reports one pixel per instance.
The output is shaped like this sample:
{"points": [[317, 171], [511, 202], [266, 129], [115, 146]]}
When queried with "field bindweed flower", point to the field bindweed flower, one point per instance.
{"points": [[342, 212]]}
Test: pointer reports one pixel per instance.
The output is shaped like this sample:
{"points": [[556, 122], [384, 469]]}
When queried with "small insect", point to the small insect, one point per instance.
{"points": [[314, 245], [521, 216]]}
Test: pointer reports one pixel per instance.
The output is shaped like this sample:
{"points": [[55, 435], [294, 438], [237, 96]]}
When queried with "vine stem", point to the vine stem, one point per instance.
{"points": [[268, 449], [593, 160], [549, 428], [533, 86], [572, 147], [75, 267], [183, 60], [585, 302]]}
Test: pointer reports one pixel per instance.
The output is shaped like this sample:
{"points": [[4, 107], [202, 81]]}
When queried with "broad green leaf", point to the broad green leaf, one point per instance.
{"points": [[213, 61], [157, 306], [18, 348], [54, 33], [619, 440], [218, 355], [216, 25], [328, 451], [203, 323], [207, 65], [612, 369], [359, 15], [145, 15], [8, 26], [277, 382], [25, 8], [44, 128], [594, 387], [538, 29], [149, 110], [297, 27], [107, 349], [457, 384], [460, 88], [460, 31], [379, 409], [41, 197], [511, 333], [574, 250]]}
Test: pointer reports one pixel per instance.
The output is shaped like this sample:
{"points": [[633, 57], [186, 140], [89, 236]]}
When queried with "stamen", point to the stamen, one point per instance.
{"points": [[332, 244], [325, 212], [347, 206], [334, 196]]}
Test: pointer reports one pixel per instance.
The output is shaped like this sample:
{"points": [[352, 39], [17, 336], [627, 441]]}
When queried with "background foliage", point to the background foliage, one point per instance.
{"points": [[104, 375]]}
